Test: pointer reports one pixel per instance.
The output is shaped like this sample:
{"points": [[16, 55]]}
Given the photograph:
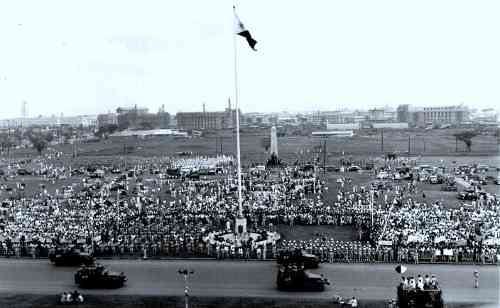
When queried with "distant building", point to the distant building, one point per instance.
{"points": [[130, 117], [140, 118], [342, 126], [336, 133], [82, 120], [417, 118], [107, 119], [403, 113], [448, 114], [376, 114], [207, 120], [393, 125], [488, 115], [163, 118]]}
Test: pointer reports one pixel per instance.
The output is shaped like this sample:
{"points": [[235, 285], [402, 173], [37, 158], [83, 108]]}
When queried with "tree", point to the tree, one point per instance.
{"points": [[106, 130], [6, 142], [39, 143], [39, 140], [466, 137]]}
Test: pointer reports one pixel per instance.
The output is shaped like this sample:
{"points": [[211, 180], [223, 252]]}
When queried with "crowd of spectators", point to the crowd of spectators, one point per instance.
{"points": [[140, 209]]}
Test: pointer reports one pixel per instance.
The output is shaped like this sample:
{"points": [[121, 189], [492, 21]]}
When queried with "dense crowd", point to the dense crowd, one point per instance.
{"points": [[142, 210]]}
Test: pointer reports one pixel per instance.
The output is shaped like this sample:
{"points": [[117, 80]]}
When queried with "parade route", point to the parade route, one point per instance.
{"points": [[248, 279]]}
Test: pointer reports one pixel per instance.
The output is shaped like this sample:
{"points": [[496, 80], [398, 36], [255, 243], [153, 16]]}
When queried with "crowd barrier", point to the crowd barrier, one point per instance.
{"points": [[267, 252]]}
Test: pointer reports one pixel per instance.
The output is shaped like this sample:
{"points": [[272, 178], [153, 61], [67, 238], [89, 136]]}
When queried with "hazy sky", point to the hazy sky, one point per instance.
{"points": [[87, 57]]}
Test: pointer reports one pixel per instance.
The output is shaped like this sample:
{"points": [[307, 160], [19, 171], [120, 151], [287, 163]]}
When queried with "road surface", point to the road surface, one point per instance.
{"points": [[248, 279]]}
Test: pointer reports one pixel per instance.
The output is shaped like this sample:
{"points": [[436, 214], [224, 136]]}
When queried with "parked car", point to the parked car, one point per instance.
{"points": [[22, 171], [353, 168], [435, 179], [382, 175], [449, 187]]}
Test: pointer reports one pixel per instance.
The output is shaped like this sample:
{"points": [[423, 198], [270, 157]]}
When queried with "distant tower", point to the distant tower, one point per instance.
{"points": [[203, 107], [24, 109]]}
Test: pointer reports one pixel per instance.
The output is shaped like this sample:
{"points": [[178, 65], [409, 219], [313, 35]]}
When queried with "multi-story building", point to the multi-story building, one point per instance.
{"points": [[207, 120], [376, 114], [82, 120], [447, 114], [403, 113], [107, 119]]}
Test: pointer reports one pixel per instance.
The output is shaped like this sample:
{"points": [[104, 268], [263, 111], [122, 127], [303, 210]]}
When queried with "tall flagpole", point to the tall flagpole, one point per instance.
{"points": [[238, 154]]}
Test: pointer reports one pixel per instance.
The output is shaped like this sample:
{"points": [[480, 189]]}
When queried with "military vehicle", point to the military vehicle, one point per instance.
{"points": [[427, 298], [298, 257], [99, 277], [70, 257], [293, 278]]}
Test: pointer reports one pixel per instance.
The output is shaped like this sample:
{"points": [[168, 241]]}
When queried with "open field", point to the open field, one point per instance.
{"points": [[422, 142]]}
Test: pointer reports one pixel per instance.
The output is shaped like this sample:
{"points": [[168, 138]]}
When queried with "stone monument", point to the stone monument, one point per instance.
{"points": [[273, 150], [274, 142]]}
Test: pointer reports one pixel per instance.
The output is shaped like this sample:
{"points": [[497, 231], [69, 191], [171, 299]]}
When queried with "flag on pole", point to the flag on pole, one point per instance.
{"points": [[240, 29]]}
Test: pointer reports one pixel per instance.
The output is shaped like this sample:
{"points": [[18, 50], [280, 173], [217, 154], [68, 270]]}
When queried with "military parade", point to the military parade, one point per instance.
{"points": [[336, 154]]}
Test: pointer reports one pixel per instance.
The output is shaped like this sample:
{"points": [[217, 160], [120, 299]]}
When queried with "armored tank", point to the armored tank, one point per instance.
{"points": [[299, 258], [293, 278], [426, 298], [71, 257], [99, 277]]}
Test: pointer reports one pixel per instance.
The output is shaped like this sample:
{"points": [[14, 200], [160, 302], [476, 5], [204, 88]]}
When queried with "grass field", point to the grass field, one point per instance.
{"points": [[422, 142]]}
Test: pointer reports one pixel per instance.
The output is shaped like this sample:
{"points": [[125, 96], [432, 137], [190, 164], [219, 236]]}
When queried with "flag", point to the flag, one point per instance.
{"points": [[240, 29], [401, 269]]}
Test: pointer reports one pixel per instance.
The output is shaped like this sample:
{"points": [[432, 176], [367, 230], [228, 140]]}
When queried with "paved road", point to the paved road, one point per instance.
{"points": [[227, 278]]}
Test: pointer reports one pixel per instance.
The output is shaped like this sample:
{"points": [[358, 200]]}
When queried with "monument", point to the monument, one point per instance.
{"points": [[273, 150], [274, 142]]}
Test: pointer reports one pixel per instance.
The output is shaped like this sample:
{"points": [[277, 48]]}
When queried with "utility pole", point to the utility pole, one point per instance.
{"points": [[324, 158], [185, 272], [456, 144], [371, 206], [382, 140], [409, 145]]}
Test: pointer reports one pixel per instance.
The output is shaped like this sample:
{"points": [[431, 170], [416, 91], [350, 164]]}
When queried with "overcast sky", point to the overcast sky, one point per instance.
{"points": [[87, 57]]}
